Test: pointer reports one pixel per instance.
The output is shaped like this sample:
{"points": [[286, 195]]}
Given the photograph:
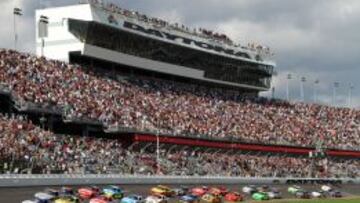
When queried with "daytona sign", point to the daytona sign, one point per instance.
{"points": [[184, 40]]}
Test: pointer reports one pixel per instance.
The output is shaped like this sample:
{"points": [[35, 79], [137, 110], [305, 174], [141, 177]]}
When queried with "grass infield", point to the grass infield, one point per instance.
{"points": [[340, 200]]}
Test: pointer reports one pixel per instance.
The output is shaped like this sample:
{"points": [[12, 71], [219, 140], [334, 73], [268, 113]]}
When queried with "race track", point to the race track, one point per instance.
{"points": [[17, 195]]}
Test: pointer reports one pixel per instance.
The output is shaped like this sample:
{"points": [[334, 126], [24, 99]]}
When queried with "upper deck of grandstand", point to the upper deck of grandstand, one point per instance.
{"points": [[96, 31], [207, 35]]}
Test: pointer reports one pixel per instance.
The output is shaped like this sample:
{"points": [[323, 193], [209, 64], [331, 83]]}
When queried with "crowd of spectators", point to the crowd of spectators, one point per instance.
{"points": [[174, 108], [160, 23], [26, 148]]}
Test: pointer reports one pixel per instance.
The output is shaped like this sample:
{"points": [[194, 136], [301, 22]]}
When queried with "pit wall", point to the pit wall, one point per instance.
{"points": [[60, 180]]}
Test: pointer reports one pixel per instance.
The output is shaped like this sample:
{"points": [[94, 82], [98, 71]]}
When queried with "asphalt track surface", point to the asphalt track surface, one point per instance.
{"points": [[17, 195]]}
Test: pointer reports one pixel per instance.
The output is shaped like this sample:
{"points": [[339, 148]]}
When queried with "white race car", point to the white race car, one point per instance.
{"points": [[156, 199], [318, 194], [326, 188], [41, 197], [274, 194], [249, 189]]}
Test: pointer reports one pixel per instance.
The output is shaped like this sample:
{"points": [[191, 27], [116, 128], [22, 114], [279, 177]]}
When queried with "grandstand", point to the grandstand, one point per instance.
{"points": [[106, 35], [120, 92], [66, 98]]}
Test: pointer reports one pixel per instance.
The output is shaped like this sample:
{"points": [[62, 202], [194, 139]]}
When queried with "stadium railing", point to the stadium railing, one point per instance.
{"points": [[12, 180]]}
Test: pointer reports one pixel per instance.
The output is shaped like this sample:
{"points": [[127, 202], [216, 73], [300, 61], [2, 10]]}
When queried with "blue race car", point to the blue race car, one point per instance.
{"points": [[189, 199], [67, 191], [113, 192], [133, 199]]}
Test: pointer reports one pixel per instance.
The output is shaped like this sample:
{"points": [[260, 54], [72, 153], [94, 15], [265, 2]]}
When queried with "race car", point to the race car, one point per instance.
{"points": [[249, 189], [274, 193], [101, 199], [218, 191], [162, 190], [88, 192], [302, 194], [113, 192], [317, 194], [180, 191], [156, 199], [263, 188], [52, 192], [326, 188], [209, 198], [215, 191], [42, 197], [189, 199], [67, 199], [293, 189], [335, 193], [223, 190], [199, 191], [258, 196], [67, 191], [233, 197], [132, 199]]}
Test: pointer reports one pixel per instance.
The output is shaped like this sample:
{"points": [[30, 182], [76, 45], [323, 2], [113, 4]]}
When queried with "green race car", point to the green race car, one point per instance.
{"points": [[294, 189], [260, 196]]}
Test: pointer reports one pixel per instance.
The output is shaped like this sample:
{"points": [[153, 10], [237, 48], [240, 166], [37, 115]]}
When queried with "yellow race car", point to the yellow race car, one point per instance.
{"points": [[162, 190], [209, 198], [67, 199]]}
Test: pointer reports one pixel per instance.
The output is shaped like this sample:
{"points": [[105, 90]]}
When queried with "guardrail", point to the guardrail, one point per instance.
{"points": [[57, 180]]}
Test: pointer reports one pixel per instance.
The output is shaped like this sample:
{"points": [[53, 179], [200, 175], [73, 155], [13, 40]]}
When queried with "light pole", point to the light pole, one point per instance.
{"points": [[351, 88], [17, 12], [289, 76], [157, 153], [336, 85], [302, 95], [43, 31], [316, 83]]}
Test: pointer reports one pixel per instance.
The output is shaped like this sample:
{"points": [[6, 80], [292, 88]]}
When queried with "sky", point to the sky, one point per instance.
{"points": [[315, 39]]}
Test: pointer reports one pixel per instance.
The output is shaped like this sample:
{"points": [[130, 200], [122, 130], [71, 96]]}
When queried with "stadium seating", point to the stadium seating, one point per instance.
{"points": [[174, 108], [25, 148]]}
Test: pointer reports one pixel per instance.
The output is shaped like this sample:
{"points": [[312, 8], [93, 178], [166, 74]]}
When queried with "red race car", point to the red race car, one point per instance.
{"points": [[215, 191], [199, 191], [233, 197], [100, 199], [223, 190], [218, 191], [88, 192]]}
